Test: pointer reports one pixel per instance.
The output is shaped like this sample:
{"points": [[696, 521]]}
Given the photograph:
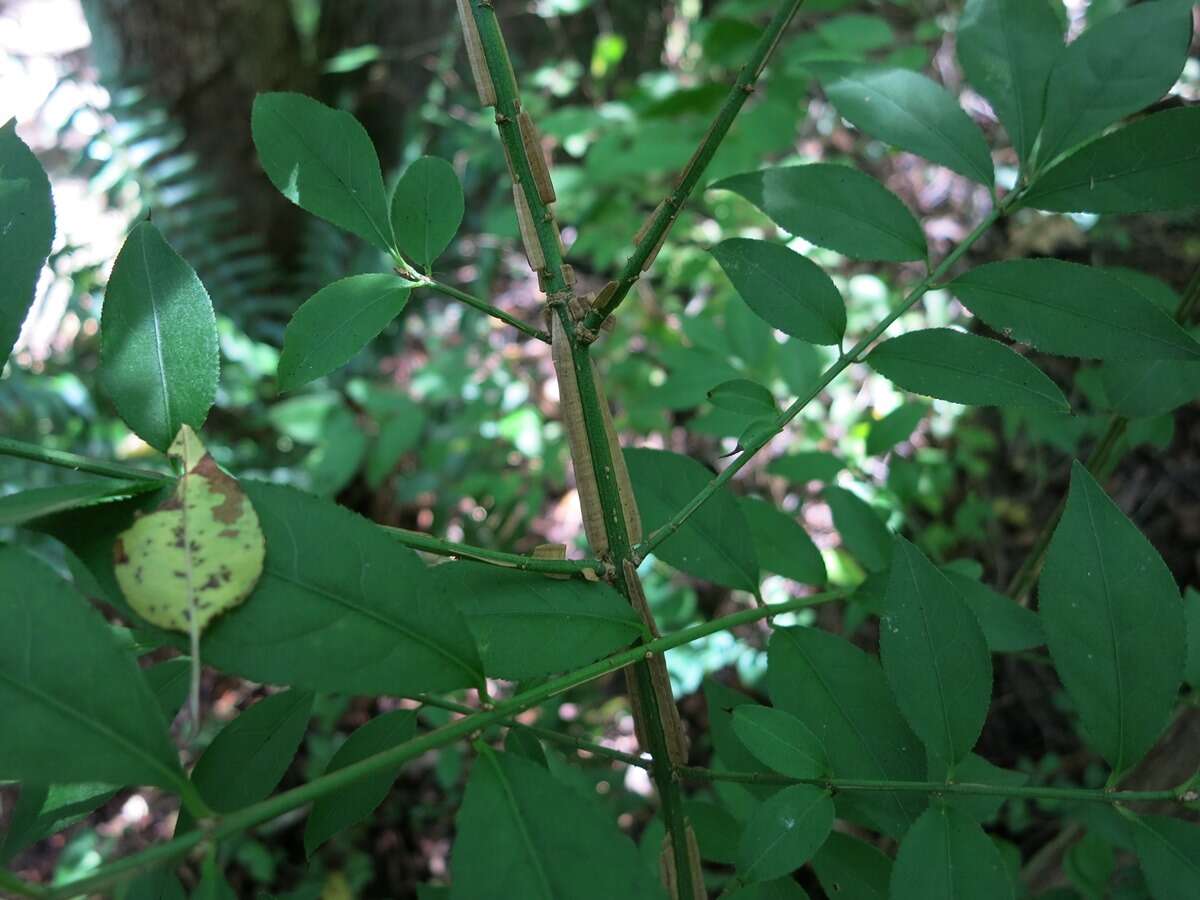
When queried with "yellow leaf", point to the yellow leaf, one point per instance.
{"points": [[196, 556]]}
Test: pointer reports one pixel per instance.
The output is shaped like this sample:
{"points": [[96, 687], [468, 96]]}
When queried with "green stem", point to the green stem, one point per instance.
{"points": [[485, 307], [222, 827], [843, 362], [1081, 795], [664, 216], [591, 569], [560, 295], [74, 461]]}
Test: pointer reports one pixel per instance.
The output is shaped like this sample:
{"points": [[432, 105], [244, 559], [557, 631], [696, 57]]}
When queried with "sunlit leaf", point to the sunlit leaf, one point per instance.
{"points": [[836, 207], [322, 159], [964, 368], [158, 340], [788, 291], [907, 110], [27, 227], [337, 322], [197, 555], [427, 208]]}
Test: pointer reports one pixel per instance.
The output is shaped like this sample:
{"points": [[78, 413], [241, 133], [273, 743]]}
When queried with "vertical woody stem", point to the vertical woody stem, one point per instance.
{"points": [[560, 293]]}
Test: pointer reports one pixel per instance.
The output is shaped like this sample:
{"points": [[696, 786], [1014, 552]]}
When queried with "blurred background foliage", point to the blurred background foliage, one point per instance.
{"points": [[448, 423]]}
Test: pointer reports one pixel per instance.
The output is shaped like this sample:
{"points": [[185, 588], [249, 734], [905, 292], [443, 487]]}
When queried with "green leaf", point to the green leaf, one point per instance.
{"points": [[780, 741], [1114, 624], [27, 226], [1071, 310], [527, 625], [863, 533], [195, 556], [523, 742], [806, 466], [352, 614], [781, 543], [1007, 626], [834, 206], [427, 209], [743, 396], [158, 340], [1007, 48], [337, 322], [896, 426], [777, 889], [1138, 388], [717, 831], [1169, 853], [1191, 612], [935, 656], [398, 434], [322, 160], [41, 811], [721, 702], [840, 694], [908, 111], [1151, 164], [964, 368], [60, 726], [25, 506], [784, 832], [715, 543], [947, 854], [157, 884], [850, 869], [788, 291], [250, 755], [555, 843], [355, 802], [1106, 73]]}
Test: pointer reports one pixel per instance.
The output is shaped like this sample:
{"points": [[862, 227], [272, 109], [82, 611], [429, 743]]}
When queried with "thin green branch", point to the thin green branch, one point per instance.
{"points": [[664, 217], [590, 569], [956, 788], [553, 737], [75, 462], [485, 307], [221, 827], [554, 279], [843, 362]]}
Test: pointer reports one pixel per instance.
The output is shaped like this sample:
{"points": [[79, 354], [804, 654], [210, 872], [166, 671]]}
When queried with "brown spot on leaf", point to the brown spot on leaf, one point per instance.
{"points": [[230, 509], [229, 533], [120, 557]]}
